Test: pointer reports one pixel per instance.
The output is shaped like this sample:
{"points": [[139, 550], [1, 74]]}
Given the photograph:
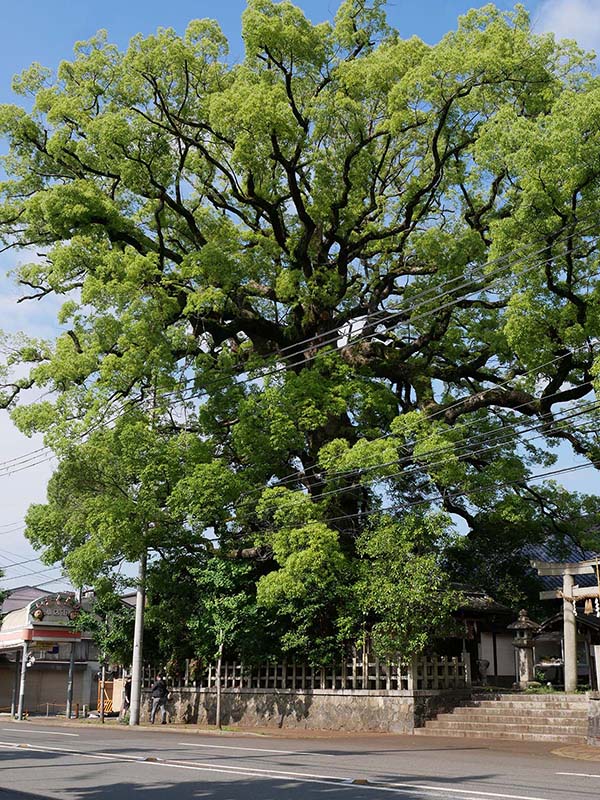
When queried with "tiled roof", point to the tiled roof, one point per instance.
{"points": [[554, 550], [21, 597]]}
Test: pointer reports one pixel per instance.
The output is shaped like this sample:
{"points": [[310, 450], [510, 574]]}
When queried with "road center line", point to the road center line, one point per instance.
{"points": [[387, 785], [32, 730], [330, 780], [473, 792], [258, 749], [579, 774]]}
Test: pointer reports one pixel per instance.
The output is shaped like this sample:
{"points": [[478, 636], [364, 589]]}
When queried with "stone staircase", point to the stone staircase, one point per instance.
{"points": [[525, 717]]}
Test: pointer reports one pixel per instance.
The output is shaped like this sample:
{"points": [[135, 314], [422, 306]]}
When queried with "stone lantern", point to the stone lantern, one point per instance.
{"points": [[524, 629]]}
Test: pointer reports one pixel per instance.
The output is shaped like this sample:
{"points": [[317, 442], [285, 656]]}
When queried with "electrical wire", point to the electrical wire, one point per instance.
{"points": [[295, 476], [28, 574], [467, 494], [437, 296], [460, 453], [11, 524], [494, 275]]}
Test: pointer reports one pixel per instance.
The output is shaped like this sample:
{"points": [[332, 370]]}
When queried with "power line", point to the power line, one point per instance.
{"points": [[467, 494], [28, 574], [295, 476], [52, 580], [461, 452], [11, 553], [437, 296], [453, 495], [31, 456], [452, 448], [489, 277], [16, 529], [18, 563], [11, 524]]}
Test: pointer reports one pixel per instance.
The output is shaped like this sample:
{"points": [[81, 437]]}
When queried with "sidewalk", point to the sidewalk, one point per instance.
{"points": [[182, 728]]}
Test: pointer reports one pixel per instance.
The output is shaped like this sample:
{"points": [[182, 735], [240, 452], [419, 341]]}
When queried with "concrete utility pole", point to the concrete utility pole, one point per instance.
{"points": [[219, 692], [22, 683], [72, 665], [15, 692], [70, 682], [102, 688], [138, 641]]}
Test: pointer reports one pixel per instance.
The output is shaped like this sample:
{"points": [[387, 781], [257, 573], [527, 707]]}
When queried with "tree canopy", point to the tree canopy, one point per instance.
{"points": [[317, 305]]}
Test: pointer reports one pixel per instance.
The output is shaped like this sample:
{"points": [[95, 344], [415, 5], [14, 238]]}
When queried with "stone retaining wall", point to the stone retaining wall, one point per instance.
{"points": [[390, 712]]}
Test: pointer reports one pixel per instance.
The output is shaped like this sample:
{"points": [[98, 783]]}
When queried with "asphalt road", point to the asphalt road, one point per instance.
{"points": [[117, 763]]}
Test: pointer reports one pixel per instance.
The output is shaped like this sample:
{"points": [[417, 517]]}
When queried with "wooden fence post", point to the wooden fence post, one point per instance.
{"points": [[412, 673]]}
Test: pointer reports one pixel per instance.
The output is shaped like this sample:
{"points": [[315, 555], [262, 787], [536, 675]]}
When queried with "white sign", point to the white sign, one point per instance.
{"points": [[53, 612]]}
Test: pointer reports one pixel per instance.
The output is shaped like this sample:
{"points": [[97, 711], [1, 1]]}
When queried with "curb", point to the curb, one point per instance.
{"points": [[583, 752], [188, 730]]}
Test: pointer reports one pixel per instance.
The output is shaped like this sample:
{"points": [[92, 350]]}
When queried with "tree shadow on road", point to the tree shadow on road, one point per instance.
{"points": [[241, 788]]}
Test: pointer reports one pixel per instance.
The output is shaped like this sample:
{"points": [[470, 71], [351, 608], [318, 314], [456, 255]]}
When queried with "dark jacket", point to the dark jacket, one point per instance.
{"points": [[160, 689]]}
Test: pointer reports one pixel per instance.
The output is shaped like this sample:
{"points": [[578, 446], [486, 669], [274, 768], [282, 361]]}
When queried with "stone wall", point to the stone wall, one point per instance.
{"points": [[429, 704], [389, 712], [594, 718]]}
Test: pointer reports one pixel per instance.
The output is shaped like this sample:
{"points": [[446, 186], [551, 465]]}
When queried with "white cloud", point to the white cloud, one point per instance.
{"points": [[571, 19]]}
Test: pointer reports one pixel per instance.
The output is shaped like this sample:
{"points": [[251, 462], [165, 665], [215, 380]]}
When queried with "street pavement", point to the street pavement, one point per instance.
{"points": [[39, 760]]}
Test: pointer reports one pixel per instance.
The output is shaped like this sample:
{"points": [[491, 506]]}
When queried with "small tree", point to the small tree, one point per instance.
{"points": [[110, 621], [403, 589]]}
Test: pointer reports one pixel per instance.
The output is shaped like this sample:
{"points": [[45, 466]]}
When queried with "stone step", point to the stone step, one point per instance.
{"points": [[524, 706], [522, 717], [522, 737], [530, 698], [442, 723], [516, 719], [502, 711]]}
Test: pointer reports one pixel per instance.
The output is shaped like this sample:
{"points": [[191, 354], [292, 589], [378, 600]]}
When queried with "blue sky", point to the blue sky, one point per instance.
{"points": [[39, 30], [45, 30]]}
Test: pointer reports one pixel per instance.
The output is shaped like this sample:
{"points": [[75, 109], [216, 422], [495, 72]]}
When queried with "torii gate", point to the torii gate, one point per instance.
{"points": [[570, 593]]}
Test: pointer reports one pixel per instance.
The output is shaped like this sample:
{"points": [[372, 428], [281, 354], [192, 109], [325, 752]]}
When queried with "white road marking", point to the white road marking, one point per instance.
{"points": [[15, 729], [579, 774], [387, 785], [330, 780], [475, 793], [39, 749], [259, 749]]}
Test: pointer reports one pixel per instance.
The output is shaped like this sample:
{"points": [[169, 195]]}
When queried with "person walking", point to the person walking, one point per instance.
{"points": [[126, 699], [160, 694]]}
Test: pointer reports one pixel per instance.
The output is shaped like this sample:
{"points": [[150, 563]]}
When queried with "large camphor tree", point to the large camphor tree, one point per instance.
{"points": [[320, 309]]}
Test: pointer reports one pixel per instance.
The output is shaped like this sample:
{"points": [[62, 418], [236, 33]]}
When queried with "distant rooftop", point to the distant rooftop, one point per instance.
{"points": [[21, 597]]}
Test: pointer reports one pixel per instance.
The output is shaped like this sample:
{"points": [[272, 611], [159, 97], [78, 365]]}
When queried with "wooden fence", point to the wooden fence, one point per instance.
{"points": [[357, 674]]}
